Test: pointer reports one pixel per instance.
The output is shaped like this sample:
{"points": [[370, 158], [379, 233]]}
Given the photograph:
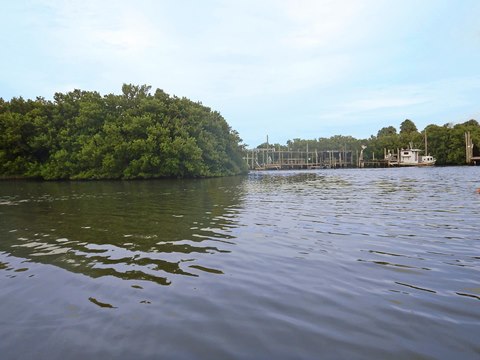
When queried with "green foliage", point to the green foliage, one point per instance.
{"points": [[407, 127], [337, 142], [387, 131], [83, 135]]}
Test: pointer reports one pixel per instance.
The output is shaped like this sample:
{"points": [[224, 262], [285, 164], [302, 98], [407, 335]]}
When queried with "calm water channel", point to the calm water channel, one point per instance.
{"points": [[341, 264]]}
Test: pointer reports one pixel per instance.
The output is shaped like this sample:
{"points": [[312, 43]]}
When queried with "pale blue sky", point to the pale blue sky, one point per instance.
{"points": [[289, 69]]}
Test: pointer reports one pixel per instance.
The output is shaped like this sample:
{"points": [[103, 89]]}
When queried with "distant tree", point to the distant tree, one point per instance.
{"points": [[471, 123], [264, 145], [410, 135], [407, 127], [438, 142], [387, 131]]}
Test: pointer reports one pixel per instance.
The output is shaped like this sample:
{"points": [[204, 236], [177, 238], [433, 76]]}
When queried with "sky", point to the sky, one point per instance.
{"points": [[283, 68]]}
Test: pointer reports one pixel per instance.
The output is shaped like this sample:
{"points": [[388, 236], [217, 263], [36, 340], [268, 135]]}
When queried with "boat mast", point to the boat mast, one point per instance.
{"points": [[426, 145]]}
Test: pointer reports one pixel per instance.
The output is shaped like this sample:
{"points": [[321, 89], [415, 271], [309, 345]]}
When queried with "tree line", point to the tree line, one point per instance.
{"points": [[84, 135], [446, 143]]}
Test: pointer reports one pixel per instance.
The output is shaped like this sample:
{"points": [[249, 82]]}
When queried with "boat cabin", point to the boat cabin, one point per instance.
{"points": [[409, 156]]}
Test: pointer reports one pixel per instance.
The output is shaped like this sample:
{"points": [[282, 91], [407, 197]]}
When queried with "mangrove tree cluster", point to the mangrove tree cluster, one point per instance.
{"points": [[84, 135]]}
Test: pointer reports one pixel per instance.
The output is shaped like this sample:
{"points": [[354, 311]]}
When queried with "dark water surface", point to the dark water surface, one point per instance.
{"points": [[341, 264]]}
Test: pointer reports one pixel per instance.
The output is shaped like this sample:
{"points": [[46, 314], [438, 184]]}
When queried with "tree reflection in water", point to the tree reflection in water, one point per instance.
{"points": [[133, 230]]}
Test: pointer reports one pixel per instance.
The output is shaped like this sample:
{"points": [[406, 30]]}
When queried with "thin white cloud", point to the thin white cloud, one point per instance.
{"points": [[319, 24], [90, 30], [257, 53], [451, 89], [386, 102]]}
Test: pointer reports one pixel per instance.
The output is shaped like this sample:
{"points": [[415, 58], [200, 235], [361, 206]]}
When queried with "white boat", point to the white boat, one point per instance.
{"points": [[409, 157]]}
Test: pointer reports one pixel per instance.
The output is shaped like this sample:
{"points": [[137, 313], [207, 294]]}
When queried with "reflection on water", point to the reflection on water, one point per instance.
{"points": [[148, 230], [341, 264]]}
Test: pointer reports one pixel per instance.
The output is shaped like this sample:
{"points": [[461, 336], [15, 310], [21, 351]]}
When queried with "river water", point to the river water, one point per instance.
{"points": [[340, 264]]}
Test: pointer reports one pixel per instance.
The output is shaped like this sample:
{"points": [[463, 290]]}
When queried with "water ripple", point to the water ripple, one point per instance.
{"points": [[346, 263]]}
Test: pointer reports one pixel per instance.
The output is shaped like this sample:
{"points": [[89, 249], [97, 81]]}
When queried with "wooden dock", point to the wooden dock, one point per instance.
{"points": [[272, 159], [469, 157]]}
